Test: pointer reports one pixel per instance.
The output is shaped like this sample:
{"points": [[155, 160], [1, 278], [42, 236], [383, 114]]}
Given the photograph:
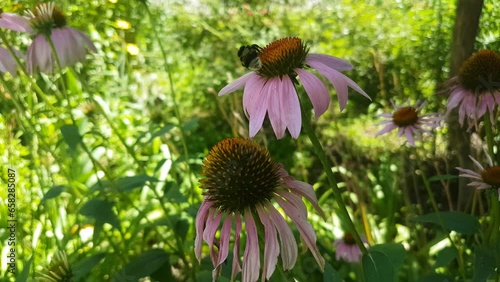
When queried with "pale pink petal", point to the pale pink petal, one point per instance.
{"points": [[476, 163], [237, 84], [211, 227], [276, 110], [387, 128], [305, 229], [409, 137], [7, 62], [291, 105], [252, 88], [251, 259], [236, 249], [337, 79], [305, 190], [271, 248], [200, 225], [225, 235], [316, 90], [329, 61], [288, 244], [15, 22], [259, 108]]}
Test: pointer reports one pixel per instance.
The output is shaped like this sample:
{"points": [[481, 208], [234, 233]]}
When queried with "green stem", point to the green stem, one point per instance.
{"points": [[320, 152], [489, 134], [172, 91]]}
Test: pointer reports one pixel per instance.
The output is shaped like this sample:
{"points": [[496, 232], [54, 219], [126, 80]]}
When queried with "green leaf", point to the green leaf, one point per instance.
{"points": [[190, 125], [330, 274], [146, 264], [434, 277], [445, 257], [164, 130], [129, 183], [23, 276], [484, 263], [71, 136], [102, 211], [457, 221], [54, 192], [84, 267], [394, 251], [377, 267], [442, 177], [181, 228]]}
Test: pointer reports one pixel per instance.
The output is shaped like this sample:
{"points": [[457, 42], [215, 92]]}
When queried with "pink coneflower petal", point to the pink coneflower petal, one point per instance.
{"points": [[15, 22], [237, 84], [271, 247], [254, 84], [257, 114], [225, 235], [7, 62], [251, 259], [276, 109], [316, 90], [289, 249], [236, 249], [212, 225], [305, 229], [291, 104], [329, 61], [200, 225]]}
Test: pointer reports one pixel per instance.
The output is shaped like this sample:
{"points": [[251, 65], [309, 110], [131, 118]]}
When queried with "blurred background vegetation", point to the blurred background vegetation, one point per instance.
{"points": [[122, 206]]}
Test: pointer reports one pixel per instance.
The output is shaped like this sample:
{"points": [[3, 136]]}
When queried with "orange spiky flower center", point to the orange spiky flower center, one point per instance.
{"points": [[282, 57], [239, 174], [405, 116], [491, 176], [481, 72]]}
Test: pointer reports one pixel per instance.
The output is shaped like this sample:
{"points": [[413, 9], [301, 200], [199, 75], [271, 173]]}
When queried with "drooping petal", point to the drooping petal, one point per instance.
{"points": [[201, 217], [236, 268], [7, 62], [236, 85], [15, 22], [291, 105], [253, 87], [212, 224], [316, 90], [288, 245], [409, 137], [251, 259], [276, 110], [305, 229], [259, 108], [225, 235], [329, 61], [339, 81], [271, 248], [305, 190], [387, 128]]}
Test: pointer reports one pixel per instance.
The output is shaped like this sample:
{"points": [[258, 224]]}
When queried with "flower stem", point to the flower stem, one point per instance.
{"points": [[320, 152]]}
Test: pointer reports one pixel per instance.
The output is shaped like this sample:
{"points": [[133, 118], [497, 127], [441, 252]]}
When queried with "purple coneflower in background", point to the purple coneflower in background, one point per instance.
{"points": [[476, 88], [346, 249], [240, 183], [70, 44], [409, 121], [270, 87], [487, 178], [14, 22]]}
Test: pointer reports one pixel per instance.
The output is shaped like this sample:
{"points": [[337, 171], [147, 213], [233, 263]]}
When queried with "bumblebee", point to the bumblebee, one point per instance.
{"points": [[249, 56]]}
